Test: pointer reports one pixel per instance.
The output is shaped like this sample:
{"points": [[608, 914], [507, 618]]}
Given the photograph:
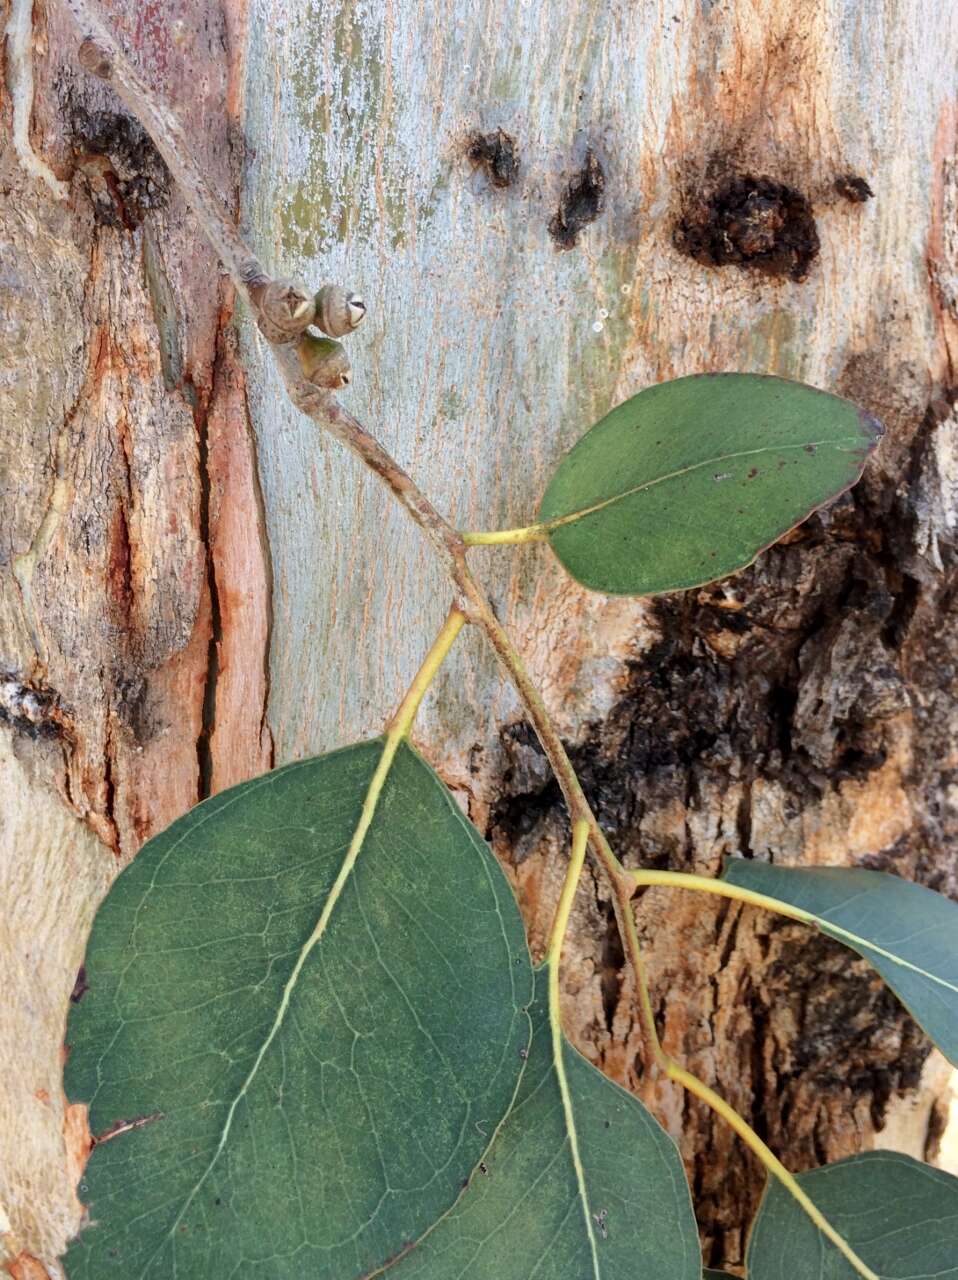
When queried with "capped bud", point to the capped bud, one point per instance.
{"points": [[324, 362], [338, 312], [285, 308]]}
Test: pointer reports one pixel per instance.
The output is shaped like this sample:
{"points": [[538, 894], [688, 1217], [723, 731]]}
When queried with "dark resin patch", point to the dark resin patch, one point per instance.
{"points": [[131, 179], [497, 154], [753, 223], [580, 204], [80, 986], [853, 188]]}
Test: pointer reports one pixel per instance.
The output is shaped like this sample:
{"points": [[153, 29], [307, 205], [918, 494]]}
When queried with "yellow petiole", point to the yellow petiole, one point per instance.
{"points": [[532, 533]]}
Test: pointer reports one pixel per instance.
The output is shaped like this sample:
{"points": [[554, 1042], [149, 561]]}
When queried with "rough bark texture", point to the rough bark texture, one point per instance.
{"points": [[547, 206], [134, 583]]}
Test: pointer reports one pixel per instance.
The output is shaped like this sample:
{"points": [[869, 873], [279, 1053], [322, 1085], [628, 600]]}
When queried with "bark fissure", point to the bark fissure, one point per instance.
{"points": [[204, 752], [259, 502]]}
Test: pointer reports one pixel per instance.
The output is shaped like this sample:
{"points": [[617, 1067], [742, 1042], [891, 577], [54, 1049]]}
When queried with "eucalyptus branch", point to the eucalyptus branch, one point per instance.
{"points": [[311, 369], [101, 55]]}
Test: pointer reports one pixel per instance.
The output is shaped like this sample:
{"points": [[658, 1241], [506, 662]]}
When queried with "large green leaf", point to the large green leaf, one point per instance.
{"points": [[689, 480], [581, 1187], [319, 1100], [900, 1217], [909, 933]]}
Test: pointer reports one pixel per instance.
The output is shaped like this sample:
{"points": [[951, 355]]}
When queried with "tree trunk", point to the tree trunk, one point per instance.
{"points": [[547, 206]]}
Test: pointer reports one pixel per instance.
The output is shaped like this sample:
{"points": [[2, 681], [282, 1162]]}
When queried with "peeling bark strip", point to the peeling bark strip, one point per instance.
{"points": [[19, 69], [237, 737]]}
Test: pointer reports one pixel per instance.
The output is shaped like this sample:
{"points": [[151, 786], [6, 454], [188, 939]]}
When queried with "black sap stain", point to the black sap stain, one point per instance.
{"points": [[80, 987], [853, 188], [754, 223], [497, 155], [579, 204], [126, 174]]}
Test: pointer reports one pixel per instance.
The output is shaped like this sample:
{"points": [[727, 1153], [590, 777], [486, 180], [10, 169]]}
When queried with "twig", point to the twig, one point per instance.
{"points": [[102, 56]]}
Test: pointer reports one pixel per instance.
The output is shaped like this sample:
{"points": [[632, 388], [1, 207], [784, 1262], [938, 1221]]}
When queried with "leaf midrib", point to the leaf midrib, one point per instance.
{"points": [[370, 802], [568, 1111], [854, 938], [571, 517], [772, 902]]}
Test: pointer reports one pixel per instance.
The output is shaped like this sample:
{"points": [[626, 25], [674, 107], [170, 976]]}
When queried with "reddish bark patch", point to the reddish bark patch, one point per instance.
{"points": [[25, 1267], [119, 580]]}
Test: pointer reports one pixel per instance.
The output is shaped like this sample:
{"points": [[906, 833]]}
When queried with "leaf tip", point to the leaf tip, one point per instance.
{"points": [[873, 428]]}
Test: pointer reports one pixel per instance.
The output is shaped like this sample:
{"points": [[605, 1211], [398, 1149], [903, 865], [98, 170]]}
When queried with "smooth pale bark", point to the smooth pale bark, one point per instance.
{"points": [[176, 600]]}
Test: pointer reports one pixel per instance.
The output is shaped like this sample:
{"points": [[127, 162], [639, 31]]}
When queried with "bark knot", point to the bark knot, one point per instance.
{"points": [[754, 223], [579, 204], [497, 155]]}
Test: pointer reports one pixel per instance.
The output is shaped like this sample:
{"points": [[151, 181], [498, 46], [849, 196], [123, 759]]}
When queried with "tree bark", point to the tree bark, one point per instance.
{"points": [[547, 206]]}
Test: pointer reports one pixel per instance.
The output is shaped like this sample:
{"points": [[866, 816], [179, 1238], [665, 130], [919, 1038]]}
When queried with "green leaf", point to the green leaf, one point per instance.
{"points": [[900, 1217], [604, 1198], [689, 480], [318, 1101], [908, 933]]}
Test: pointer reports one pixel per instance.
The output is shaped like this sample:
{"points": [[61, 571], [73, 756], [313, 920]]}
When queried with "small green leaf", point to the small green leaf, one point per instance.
{"points": [[900, 1217], [689, 480], [604, 1198], [317, 1101], [908, 933]]}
